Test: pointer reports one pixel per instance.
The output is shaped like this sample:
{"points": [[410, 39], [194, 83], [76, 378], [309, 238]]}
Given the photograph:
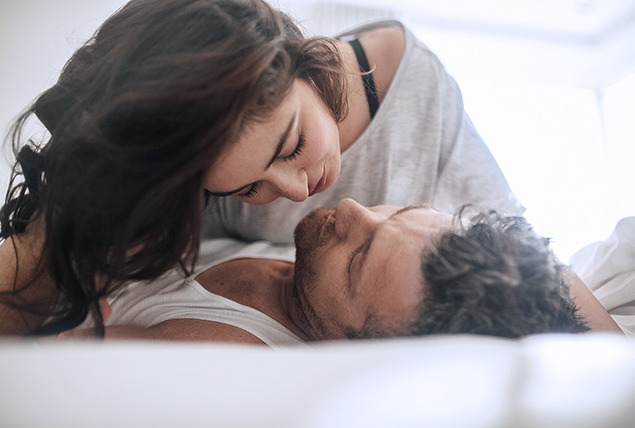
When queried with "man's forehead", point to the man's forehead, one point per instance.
{"points": [[394, 282], [397, 246]]}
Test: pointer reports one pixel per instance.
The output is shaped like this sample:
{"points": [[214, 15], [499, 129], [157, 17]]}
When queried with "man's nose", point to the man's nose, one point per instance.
{"points": [[291, 184], [352, 218]]}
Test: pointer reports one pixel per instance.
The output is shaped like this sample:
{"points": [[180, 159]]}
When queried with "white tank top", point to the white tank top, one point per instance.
{"points": [[172, 296]]}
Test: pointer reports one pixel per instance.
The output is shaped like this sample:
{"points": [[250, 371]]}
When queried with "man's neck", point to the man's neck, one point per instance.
{"points": [[262, 284]]}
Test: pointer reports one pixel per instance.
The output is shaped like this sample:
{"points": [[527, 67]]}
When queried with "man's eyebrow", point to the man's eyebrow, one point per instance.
{"points": [[409, 208], [280, 145], [361, 249], [365, 247]]}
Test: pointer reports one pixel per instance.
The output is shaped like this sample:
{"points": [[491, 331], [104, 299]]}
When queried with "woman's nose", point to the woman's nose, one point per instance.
{"points": [[353, 218], [292, 185]]}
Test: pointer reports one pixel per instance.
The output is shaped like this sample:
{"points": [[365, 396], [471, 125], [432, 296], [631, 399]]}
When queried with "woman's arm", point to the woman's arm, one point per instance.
{"points": [[26, 289], [590, 308]]}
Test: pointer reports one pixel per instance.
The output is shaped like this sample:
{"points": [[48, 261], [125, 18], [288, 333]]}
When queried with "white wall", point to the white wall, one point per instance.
{"points": [[36, 39], [548, 141], [619, 114], [562, 134]]}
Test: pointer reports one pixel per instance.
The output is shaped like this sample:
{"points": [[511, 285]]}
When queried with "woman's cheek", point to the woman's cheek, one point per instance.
{"points": [[325, 144]]}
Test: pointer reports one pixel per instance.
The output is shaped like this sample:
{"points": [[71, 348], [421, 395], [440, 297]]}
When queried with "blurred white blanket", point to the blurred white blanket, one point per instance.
{"points": [[608, 269], [546, 381]]}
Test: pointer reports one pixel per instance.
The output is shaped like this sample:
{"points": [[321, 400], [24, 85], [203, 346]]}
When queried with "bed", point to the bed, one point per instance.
{"points": [[543, 381]]}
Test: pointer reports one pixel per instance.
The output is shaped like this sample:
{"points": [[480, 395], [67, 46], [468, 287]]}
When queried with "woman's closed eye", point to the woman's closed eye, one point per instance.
{"points": [[251, 192], [298, 149], [253, 189]]}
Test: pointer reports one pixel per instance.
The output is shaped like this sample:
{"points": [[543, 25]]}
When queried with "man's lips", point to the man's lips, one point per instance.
{"points": [[322, 222], [320, 184]]}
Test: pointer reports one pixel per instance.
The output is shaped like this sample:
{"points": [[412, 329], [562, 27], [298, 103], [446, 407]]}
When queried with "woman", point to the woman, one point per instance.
{"points": [[406, 140], [173, 97]]}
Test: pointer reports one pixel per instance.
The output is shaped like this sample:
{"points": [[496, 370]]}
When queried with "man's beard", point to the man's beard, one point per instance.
{"points": [[308, 239], [314, 230]]}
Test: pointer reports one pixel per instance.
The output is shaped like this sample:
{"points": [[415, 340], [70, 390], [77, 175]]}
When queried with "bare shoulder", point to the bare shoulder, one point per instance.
{"points": [[202, 331], [387, 42], [384, 48]]}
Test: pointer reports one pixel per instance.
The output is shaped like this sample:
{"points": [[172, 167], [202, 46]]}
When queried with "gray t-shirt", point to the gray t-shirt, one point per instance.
{"points": [[421, 147]]}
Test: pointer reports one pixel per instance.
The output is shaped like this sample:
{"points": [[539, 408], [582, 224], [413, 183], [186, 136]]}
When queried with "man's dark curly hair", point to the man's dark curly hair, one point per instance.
{"points": [[496, 277]]}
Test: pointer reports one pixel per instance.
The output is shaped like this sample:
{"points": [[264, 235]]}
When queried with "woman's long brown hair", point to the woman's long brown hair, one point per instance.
{"points": [[139, 114]]}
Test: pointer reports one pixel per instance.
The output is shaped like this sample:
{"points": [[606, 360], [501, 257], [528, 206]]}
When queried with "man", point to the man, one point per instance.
{"points": [[364, 272]]}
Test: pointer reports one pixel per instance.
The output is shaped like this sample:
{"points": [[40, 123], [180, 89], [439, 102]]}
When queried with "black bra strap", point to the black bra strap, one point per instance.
{"points": [[367, 77]]}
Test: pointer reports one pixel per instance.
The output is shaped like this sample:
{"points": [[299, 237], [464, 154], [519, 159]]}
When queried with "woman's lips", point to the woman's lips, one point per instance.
{"points": [[320, 184]]}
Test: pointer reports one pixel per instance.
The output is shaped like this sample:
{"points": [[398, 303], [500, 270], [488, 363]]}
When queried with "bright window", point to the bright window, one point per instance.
{"points": [[549, 143]]}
